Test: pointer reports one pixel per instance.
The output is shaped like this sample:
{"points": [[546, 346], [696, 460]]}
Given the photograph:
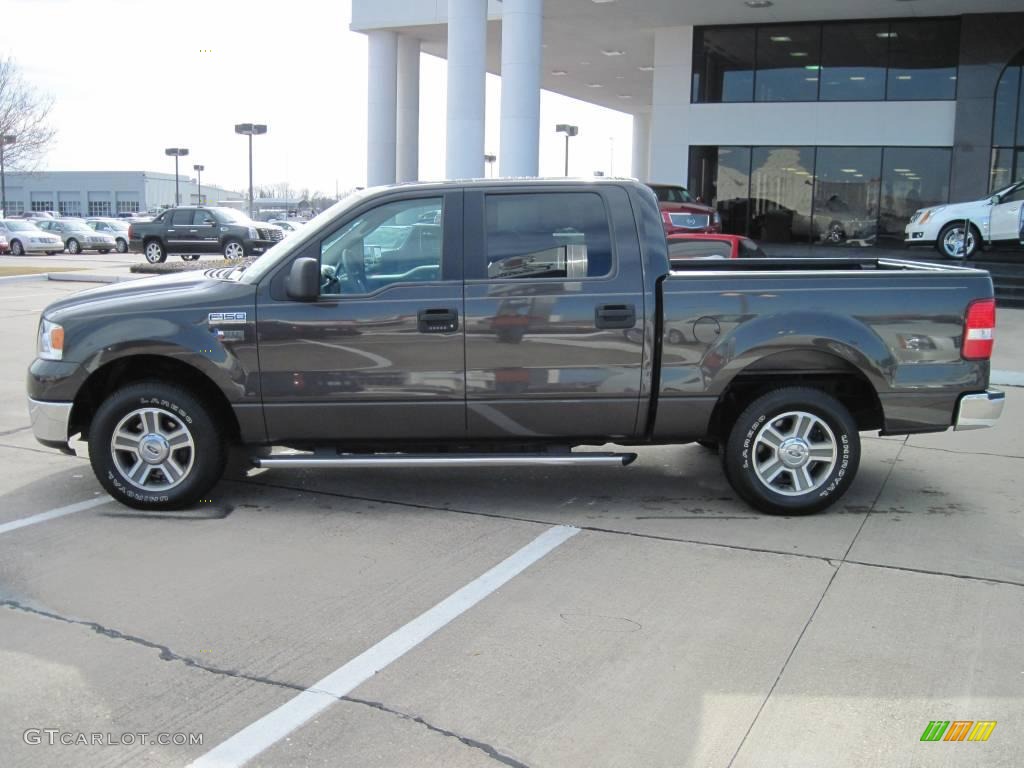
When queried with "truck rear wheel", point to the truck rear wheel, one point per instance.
{"points": [[793, 451], [156, 446]]}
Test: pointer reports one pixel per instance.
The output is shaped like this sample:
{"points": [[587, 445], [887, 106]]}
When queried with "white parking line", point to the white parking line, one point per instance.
{"points": [[276, 725], [42, 517]]}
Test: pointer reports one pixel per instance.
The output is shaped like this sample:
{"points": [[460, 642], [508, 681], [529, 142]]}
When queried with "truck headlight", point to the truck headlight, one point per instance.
{"points": [[253, 234], [51, 341]]}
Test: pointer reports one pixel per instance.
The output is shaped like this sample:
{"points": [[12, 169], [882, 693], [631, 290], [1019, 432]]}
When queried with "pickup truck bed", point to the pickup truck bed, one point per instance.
{"points": [[500, 323]]}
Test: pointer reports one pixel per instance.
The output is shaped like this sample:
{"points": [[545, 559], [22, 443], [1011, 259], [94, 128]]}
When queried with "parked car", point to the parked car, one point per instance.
{"points": [[681, 213], [288, 225], [77, 236], [24, 236], [116, 228], [315, 349], [713, 246], [194, 230], [993, 220]]}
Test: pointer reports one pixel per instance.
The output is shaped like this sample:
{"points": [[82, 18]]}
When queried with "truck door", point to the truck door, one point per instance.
{"points": [[179, 233], [1006, 216], [380, 355], [204, 233], [554, 312]]}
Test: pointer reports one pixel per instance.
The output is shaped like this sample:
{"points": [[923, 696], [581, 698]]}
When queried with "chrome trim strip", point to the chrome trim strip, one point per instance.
{"points": [[979, 411], [306, 461], [49, 420]]}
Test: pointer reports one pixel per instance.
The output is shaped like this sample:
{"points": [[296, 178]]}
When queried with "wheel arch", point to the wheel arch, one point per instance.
{"points": [[817, 369], [141, 367]]}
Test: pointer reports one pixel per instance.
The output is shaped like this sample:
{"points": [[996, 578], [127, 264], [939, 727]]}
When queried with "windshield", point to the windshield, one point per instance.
{"points": [[230, 214], [311, 231], [673, 195], [20, 226]]}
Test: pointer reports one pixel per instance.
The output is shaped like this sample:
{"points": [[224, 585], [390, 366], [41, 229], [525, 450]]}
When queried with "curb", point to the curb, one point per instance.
{"points": [[76, 277], [25, 278]]}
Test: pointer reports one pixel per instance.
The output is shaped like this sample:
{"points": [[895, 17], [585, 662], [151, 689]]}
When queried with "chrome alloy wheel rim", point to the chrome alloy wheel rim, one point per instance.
{"points": [[234, 252], [153, 253], [794, 453], [954, 246], [153, 449]]}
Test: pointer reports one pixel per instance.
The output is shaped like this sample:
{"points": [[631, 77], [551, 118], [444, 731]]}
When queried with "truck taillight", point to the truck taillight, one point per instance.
{"points": [[979, 330]]}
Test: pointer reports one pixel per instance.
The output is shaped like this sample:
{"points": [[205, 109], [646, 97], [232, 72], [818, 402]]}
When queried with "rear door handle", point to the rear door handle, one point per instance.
{"points": [[437, 320], [615, 316]]}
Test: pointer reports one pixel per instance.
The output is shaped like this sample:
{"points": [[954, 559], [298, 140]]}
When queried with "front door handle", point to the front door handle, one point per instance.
{"points": [[437, 320], [615, 316]]}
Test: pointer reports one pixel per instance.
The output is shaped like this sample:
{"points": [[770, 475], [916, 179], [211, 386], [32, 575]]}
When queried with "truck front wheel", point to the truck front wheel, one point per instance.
{"points": [[793, 451], [155, 253], [233, 250], [156, 446]]}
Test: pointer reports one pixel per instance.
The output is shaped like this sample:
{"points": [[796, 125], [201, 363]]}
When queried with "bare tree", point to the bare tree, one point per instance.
{"points": [[24, 113]]}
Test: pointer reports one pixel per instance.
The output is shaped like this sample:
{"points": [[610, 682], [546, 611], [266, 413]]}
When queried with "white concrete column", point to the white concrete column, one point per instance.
{"points": [[670, 105], [382, 55], [641, 144], [408, 132], [467, 62], [520, 87]]}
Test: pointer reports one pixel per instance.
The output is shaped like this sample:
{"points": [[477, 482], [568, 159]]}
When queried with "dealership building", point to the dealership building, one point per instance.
{"points": [[783, 114], [104, 193]]}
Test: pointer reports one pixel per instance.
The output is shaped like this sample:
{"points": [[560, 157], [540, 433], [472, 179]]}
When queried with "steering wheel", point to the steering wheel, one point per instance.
{"points": [[355, 268], [329, 282]]}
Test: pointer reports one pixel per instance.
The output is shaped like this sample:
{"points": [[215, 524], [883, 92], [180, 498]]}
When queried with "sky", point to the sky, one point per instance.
{"points": [[132, 77]]}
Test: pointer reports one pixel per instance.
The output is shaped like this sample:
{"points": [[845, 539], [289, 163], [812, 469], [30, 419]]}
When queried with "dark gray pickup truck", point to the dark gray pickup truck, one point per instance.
{"points": [[504, 323]]}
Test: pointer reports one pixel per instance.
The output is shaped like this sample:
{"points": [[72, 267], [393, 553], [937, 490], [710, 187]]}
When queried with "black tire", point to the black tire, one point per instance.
{"points": [[74, 247], [17, 249], [234, 250], [750, 463], [201, 462], [155, 252], [122, 245], [947, 236]]}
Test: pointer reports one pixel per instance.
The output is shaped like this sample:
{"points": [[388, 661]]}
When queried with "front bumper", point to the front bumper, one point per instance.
{"points": [[42, 247], [50, 422], [979, 410]]}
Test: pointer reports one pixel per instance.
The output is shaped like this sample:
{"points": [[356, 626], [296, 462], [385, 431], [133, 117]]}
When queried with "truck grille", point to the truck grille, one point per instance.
{"points": [[271, 234], [689, 220]]}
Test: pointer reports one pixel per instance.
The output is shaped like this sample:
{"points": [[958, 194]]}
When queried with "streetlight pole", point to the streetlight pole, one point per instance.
{"points": [[176, 152], [568, 130], [4, 141], [199, 173], [250, 130]]}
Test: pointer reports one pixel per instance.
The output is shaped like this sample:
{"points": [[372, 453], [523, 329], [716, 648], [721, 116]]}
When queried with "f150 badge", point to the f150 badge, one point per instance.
{"points": [[226, 318]]}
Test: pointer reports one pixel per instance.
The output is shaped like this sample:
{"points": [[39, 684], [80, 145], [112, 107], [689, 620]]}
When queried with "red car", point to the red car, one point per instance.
{"points": [[713, 246], [681, 213]]}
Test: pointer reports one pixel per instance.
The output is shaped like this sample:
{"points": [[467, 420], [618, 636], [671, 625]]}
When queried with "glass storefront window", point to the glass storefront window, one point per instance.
{"points": [[781, 190], [723, 64], [1007, 104], [853, 61], [846, 195], [912, 178], [788, 62], [1001, 174], [720, 176], [923, 56]]}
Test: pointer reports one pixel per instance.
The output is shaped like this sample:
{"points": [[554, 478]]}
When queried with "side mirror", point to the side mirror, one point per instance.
{"points": [[304, 280]]}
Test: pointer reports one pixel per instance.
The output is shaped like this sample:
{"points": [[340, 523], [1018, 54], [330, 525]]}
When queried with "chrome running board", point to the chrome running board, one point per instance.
{"points": [[318, 460]]}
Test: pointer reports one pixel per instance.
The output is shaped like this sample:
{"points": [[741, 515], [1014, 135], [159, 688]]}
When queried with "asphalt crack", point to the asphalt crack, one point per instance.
{"points": [[166, 654], [487, 749]]}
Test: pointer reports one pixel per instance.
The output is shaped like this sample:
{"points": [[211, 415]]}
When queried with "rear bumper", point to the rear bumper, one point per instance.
{"points": [[50, 421], [980, 410]]}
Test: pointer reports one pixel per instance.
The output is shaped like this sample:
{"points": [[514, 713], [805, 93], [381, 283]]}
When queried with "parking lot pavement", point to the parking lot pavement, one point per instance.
{"points": [[677, 628]]}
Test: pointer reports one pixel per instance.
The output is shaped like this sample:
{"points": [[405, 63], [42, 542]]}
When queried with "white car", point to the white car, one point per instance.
{"points": [[23, 237], [996, 219]]}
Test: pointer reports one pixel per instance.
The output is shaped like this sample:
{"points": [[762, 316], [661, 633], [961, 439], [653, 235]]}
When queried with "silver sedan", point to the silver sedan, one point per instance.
{"points": [[25, 237]]}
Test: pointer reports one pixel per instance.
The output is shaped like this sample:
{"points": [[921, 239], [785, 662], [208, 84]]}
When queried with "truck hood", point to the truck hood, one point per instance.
{"points": [[185, 288], [698, 208]]}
